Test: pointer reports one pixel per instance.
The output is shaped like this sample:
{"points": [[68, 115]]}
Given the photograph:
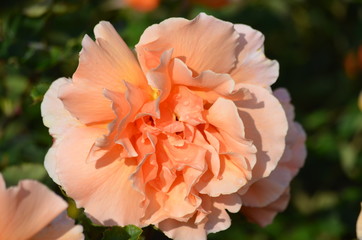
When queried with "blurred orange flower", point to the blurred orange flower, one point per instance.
{"points": [[31, 211], [143, 5], [353, 63], [178, 136]]}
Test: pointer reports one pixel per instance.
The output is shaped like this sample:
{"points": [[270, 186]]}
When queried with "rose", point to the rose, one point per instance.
{"points": [[174, 138], [32, 211]]}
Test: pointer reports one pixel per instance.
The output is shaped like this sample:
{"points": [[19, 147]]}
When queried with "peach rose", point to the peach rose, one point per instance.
{"points": [[31, 211], [174, 137]]}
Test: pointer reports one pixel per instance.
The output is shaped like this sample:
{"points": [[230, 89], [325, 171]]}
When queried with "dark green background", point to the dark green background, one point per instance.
{"points": [[40, 42]]}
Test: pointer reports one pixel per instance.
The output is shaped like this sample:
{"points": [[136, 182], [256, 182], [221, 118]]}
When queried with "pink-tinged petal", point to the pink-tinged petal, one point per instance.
{"points": [[86, 102], [30, 206], [108, 61], [109, 177], [359, 226], [183, 230], [55, 116], [298, 150], [267, 127], [191, 42], [267, 190], [295, 152], [253, 67], [61, 228], [265, 215]]}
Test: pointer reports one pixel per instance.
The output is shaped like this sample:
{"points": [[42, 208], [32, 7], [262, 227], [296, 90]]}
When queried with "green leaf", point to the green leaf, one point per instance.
{"points": [[133, 231], [38, 91], [14, 174], [115, 233], [129, 232]]}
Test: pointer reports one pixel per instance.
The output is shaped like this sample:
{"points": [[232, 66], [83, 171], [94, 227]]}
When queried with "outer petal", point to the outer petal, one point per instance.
{"points": [[30, 206], [267, 127], [109, 177], [58, 120], [267, 190], [104, 64], [183, 230], [55, 116], [86, 102], [265, 215], [108, 61], [231, 180], [253, 67], [218, 219], [295, 152], [199, 43], [61, 228]]}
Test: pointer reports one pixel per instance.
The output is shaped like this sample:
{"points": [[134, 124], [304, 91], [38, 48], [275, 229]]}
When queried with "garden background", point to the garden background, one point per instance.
{"points": [[317, 43]]}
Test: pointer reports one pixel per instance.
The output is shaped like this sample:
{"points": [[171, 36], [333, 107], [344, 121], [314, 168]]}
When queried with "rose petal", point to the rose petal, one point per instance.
{"points": [[55, 116], [30, 206], [109, 177], [265, 215], [233, 178], [86, 102], [104, 64], [267, 190], [61, 228], [253, 67], [108, 61], [267, 127], [181, 35], [182, 230], [57, 119]]}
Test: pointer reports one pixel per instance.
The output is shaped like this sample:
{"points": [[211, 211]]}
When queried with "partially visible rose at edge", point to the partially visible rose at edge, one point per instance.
{"points": [[31, 211], [177, 136]]}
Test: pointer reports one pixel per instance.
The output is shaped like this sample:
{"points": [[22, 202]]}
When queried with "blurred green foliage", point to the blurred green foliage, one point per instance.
{"points": [[315, 42]]}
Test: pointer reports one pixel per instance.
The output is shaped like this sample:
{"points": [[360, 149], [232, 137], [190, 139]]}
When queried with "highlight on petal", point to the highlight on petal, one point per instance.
{"points": [[32, 207]]}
